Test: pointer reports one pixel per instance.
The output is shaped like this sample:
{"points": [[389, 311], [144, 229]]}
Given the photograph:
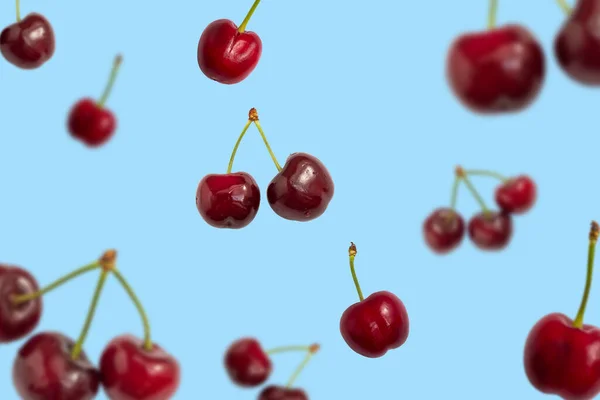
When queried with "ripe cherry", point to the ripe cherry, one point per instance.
{"points": [[282, 393], [490, 230], [19, 314], [444, 230], [516, 195], [247, 364]]}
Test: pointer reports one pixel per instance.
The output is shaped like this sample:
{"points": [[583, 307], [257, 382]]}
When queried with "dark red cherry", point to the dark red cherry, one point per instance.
{"points": [[444, 230], [28, 43], [90, 123], [282, 393], [247, 364], [517, 195], [491, 230]]}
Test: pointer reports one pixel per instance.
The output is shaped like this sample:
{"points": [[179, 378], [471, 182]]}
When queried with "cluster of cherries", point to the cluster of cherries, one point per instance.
{"points": [[50, 365], [502, 69], [444, 228], [28, 44], [301, 190], [249, 366]]}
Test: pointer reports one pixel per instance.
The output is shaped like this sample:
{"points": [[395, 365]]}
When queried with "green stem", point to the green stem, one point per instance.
{"points": [[482, 172], [237, 144], [493, 10], [594, 231], [59, 282], [474, 193], [454, 196], [140, 309], [298, 370], [18, 10], [264, 138], [77, 349], [111, 80], [242, 27], [564, 6], [285, 349], [352, 254]]}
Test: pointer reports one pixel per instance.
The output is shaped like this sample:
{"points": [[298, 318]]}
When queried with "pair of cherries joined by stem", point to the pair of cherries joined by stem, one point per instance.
{"points": [[228, 53], [249, 365], [561, 355], [29, 42], [375, 324], [444, 228], [301, 190], [50, 365]]}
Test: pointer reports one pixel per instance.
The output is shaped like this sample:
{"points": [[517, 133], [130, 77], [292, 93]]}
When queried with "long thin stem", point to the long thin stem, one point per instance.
{"points": [[237, 144], [111, 80], [352, 254], [493, 10], [482, 172], [454, 196], [311, 352], [593, 238], [286, 349], [59, 282], [461, 174], [90, 315], [18, 10], [264, 138], [244, 23], [140, 309], [564, 6]]}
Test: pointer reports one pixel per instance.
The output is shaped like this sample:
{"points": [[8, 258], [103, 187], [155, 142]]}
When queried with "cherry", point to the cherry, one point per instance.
{"points": [[498, 70], [29, 42], [577, 44], [490, 230], [89, 121], [282, 393], [247, 364], [561, 356], [17, 318], [376, 324], [226, 53], [444, 230], [516, 195], [45, 369], [132, 370]]}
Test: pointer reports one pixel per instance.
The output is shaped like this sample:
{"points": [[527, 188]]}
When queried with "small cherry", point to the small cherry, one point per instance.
{"points": [[247, 364], [577, 44], [89, 121], [229, 200], [516, 195], [226, 53], [29, 42], [18, 318], [376, 324], [561, 355], [496, 71]]}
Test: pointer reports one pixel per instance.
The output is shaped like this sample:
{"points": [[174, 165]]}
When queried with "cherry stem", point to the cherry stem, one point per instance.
{"points": [[242, 27], [312, 350], [462, 175], [493, 10], [564, 6], [352, 254], [254, 118], [594, 232], [454, 196], [140, 309], [78, 348], [59, 282], [111, 80], [18, 9], [491, 174], [286, 349], [237, 144]]}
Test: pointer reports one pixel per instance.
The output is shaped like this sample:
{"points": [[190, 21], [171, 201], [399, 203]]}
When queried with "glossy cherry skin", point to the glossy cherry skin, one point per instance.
{"points": [[495, 71], [444, 230], [228, 200], [225, 55], [375, 325], [91, 124], [282, 393], [517, 195], [29, 43], [44, 370], [247, 364], [130, 372], [563, 360], [17, 320], [491, 231], [577, 44], [302, 190]]}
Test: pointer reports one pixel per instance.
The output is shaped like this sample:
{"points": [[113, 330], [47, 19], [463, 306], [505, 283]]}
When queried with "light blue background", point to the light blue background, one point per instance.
{"points": [[362, 87]]}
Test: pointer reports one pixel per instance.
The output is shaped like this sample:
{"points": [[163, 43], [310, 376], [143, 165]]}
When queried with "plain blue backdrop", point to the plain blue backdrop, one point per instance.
{"points": [[362, 87]]}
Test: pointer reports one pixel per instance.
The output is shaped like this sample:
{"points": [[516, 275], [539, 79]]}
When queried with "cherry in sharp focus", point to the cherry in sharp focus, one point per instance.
{"points": [[17, 318], [499, 70], [89, 121], [228, 53], [375, 324]]}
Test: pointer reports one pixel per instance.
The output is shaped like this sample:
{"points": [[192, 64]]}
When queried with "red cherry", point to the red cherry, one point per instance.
{"points": [[517, 195], [17, 320], [89, 121], [282, 393], [130, 372], [444, 230], [29, 42], [577, 44], [490, 230], [247, 364], [228, 200], [44, 370], [498, 70]]}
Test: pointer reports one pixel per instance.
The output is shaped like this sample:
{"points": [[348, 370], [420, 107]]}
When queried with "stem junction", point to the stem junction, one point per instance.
{"points": [[312, 350]]}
